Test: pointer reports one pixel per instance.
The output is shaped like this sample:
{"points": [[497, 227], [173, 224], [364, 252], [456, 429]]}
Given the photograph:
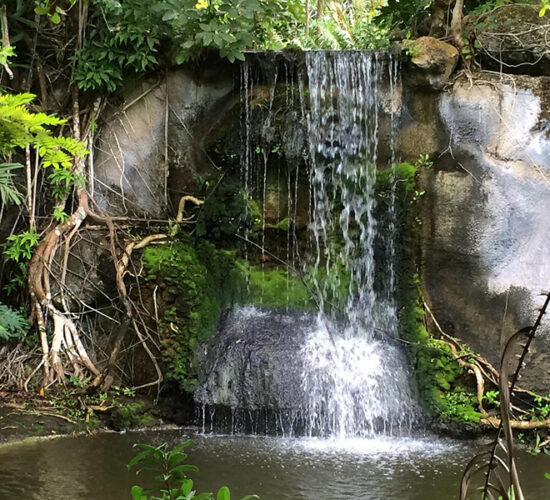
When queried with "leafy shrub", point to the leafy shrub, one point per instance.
{"points": [[227, 212], [171, 475], [229, 26], [123, 37]]}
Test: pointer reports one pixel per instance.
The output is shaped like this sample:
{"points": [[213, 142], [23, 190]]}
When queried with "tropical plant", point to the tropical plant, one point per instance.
{"points": [[229, 26], [345, 26], [171, 475], [9, 192], [20, 128], [122, 38]]}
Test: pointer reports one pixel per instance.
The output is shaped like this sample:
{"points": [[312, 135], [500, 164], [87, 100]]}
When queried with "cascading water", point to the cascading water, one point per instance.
{"points": [[355, 382], [339, 372]]}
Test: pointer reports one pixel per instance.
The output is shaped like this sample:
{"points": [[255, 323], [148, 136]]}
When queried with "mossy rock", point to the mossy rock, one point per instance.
{"points": [[273, 286], [197, 282]]}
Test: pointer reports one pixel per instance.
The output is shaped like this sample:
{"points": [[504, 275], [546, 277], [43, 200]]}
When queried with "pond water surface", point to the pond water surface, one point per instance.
{"points": [[274, 468]]}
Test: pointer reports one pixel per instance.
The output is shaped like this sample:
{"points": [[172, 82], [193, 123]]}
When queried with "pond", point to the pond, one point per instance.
{"points": [[275, 468]]}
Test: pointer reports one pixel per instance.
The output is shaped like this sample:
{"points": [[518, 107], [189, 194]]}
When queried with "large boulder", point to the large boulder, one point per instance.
{"points": [[434, 61], [514, 39], [486, 225]]}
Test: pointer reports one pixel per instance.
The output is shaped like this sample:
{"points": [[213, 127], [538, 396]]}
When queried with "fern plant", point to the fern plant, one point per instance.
{"points": [[9, 193], [12, 323]]}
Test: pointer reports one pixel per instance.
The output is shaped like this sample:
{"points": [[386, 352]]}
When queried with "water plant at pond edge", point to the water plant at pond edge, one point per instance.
{"points": [[170, 472], [196, 282]]}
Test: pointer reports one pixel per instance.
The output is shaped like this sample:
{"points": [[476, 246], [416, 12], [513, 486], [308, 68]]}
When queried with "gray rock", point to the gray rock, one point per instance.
{"points": [[486, 224], [150, 151]]}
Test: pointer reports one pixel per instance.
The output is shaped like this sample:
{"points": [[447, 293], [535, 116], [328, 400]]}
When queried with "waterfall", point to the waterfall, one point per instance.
{"points": [[355, 381], [339, 372]]}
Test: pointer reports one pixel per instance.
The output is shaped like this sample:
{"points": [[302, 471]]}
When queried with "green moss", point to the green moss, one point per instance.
{"points": [[277, 287], [403, 173], [283, 225], [442, 383], [197, 283]]}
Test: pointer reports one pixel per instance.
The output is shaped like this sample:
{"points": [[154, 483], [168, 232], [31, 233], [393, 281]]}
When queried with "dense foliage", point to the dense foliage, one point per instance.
{"points": [[12, 323]]}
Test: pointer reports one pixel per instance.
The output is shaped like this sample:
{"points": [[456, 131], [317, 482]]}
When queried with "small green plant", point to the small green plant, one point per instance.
{"points": [[411, 48], [544, 6], [19, 249], [543, 406], [492, 397], [424, 161], [76, 382], [170, 471]]}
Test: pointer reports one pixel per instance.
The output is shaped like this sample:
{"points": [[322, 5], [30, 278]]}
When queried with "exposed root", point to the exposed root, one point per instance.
{"points": [[181, 207]]}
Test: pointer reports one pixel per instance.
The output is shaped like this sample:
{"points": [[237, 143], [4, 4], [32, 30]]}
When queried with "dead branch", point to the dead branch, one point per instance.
{"points": [[6, 37], [181, 207]]}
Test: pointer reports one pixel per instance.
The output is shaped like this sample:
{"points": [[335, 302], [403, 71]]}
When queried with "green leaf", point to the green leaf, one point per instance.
{"points": [[55, 18], [137, 493], [223, 494], [169, 15], [138, 458]]}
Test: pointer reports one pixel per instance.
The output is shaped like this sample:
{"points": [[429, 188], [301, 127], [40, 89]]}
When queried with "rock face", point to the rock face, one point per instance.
{"points": [[486, 225], [253, 363], [150, 151], [514, 39]]}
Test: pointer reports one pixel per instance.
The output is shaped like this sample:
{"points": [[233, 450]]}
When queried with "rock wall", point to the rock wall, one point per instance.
{"points": [[486, 227], [151, 150]]}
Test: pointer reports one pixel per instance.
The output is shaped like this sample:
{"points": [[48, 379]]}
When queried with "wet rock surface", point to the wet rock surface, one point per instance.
{"points": [[253, 361]]}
